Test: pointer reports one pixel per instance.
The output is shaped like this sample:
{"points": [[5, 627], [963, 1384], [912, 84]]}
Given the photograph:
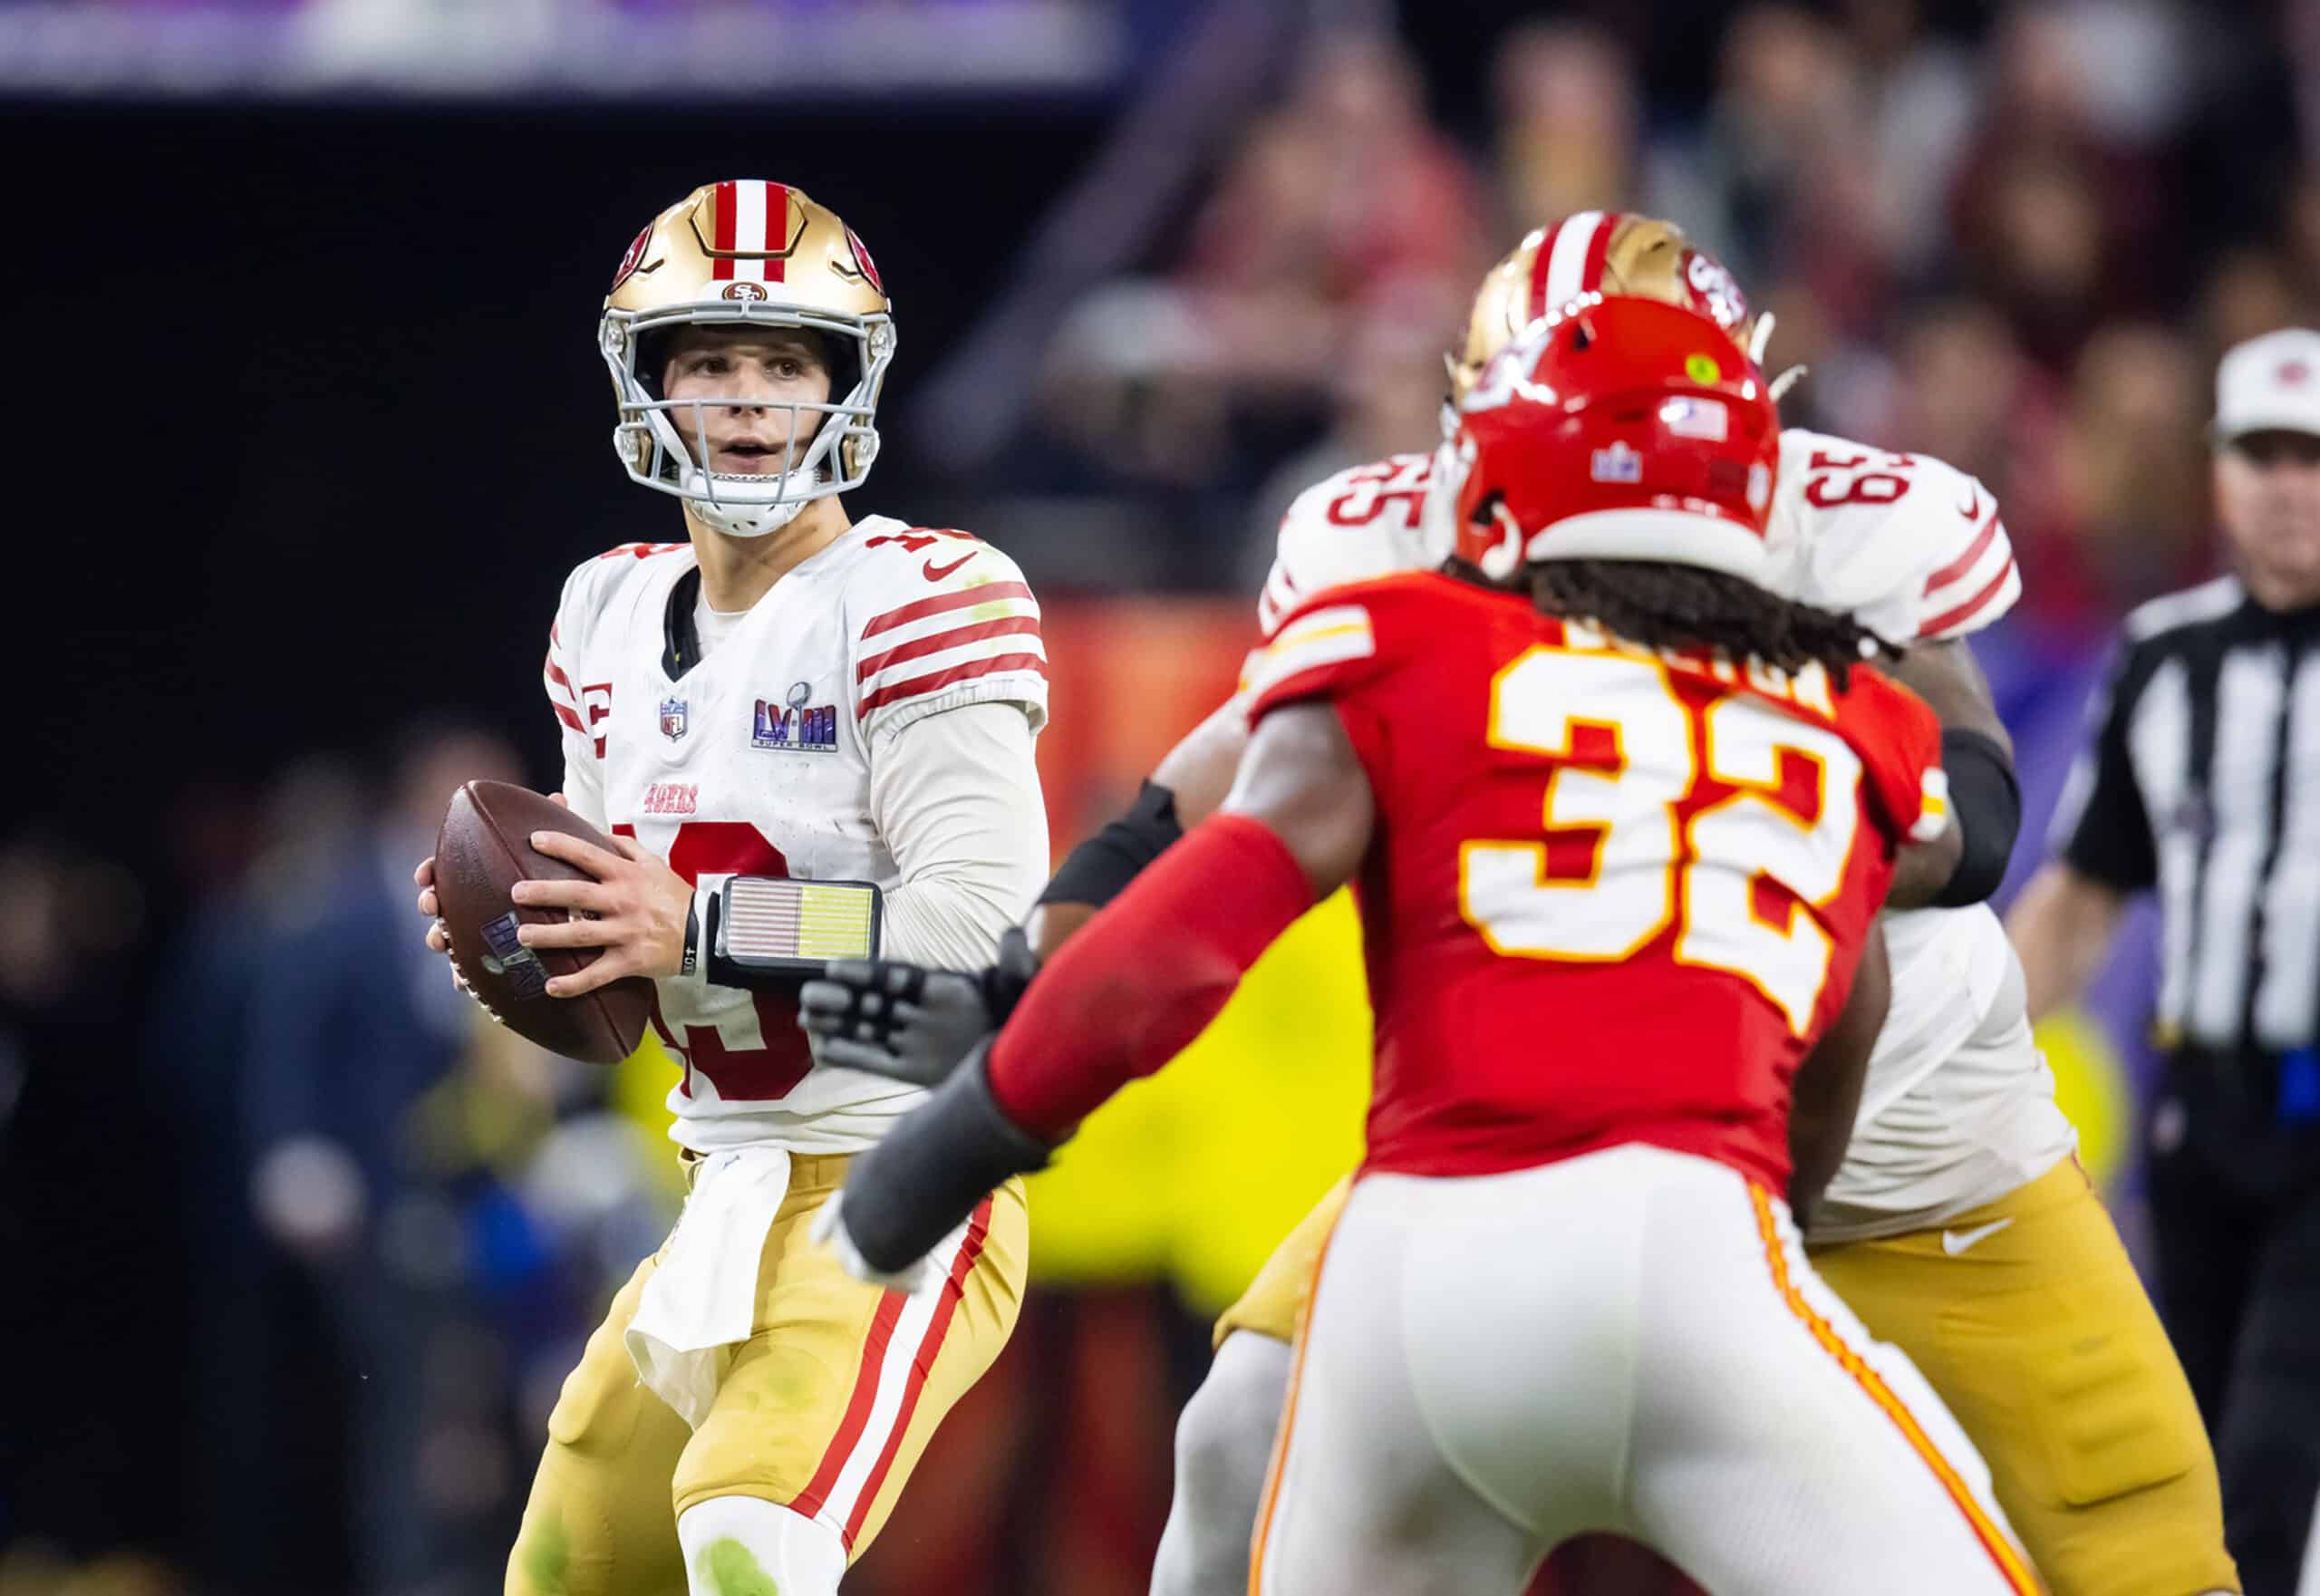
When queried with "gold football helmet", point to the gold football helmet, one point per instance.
{"points": [[761, 253], [1599, 252]]}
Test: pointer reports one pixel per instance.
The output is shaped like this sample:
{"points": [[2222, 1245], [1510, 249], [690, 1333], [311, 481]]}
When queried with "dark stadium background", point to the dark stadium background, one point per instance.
{"points": [[307, 426]]}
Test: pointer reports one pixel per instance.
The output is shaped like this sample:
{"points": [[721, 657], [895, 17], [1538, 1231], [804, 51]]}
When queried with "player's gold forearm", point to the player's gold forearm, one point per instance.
{"points": [[2062, 926]]}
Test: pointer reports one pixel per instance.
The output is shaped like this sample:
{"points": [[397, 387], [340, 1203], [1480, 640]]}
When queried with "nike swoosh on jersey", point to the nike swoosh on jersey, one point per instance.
{"points": [[935, 573], [1971, 509], [1954, 1241]]}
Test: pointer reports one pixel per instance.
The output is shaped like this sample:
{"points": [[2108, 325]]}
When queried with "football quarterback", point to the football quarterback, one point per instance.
{"points": [[806, 735]]}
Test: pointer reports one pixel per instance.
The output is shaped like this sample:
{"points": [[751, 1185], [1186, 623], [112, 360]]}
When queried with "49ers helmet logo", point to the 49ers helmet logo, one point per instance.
{"points": [[752, 291], [636, 255], [862, 259], [1714, 290]]}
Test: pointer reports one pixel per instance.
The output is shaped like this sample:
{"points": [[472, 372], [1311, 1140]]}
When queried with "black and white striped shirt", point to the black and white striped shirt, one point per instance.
{"points": [[2203, 779]]}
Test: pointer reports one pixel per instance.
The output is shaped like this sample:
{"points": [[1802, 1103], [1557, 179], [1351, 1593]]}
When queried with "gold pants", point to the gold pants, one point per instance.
{"points": [[2028, 1319], [825, 1408]]}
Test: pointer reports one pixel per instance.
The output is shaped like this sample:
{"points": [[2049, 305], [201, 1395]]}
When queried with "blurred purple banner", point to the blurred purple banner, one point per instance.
{"points": [[580, 48]]}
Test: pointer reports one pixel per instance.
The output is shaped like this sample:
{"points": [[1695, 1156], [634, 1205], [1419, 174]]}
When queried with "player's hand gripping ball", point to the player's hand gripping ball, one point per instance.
{"points": [[483, 849]]}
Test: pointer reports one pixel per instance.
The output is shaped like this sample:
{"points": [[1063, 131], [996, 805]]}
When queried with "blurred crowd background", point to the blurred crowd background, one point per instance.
{"points": [[310, 424]]}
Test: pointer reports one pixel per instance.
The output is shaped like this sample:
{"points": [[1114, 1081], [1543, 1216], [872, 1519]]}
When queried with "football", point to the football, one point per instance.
{"points": [[482, 851]]}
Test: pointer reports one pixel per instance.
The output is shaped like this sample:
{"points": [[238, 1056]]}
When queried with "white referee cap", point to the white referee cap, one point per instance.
{"points": [[2268, 385]]}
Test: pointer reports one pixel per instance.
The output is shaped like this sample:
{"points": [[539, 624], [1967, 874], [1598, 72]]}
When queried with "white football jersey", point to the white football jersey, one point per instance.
{"points": [[1913, 549], [758, 760], [1361, 523]]}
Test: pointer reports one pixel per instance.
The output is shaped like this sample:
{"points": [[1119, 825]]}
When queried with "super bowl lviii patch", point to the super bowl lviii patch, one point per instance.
{"points": [[796, 726]]}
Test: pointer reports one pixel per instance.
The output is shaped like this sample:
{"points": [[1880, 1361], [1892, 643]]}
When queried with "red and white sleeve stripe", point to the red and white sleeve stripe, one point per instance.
{"points": [[906, 1337], [975, 642], [1975, 588], [564, 697]]}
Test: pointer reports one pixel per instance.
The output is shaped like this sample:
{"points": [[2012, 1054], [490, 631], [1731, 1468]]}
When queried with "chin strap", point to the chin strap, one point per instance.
{"points": [[745, 520]]}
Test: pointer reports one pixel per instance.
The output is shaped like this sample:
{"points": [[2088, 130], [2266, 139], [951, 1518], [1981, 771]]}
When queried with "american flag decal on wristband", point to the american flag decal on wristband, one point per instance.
{"points": [[769, 918]]}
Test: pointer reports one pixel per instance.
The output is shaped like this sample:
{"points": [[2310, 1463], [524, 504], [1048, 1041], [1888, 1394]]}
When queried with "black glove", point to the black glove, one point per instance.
{"points": [[920, 1184], [907, 1022]]}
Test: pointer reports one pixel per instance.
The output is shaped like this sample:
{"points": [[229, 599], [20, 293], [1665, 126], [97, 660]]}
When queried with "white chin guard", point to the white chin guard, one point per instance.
{"points": [[745, 518]]}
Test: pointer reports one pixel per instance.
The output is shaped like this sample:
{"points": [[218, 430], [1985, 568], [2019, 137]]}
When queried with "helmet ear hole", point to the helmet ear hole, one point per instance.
{"points": [[844, 363], [652, 361]]}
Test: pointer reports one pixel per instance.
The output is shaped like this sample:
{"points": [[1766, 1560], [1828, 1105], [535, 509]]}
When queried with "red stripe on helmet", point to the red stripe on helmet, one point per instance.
{"points": [[1598, 249], [1539, 273], [728, 206], [776, 231]]}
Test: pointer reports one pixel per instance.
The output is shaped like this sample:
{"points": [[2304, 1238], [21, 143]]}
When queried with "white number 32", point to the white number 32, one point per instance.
{"points": [[1632, 843]]}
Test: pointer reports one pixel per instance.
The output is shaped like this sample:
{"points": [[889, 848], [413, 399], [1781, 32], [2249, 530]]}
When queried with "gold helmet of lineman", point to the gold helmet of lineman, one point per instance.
{"points": [[1599, 252], [761, 254]]}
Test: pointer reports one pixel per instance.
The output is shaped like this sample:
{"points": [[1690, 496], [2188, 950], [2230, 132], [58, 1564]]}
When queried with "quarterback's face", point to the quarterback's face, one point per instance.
{"points": [[2268, 489], [754, 374]]}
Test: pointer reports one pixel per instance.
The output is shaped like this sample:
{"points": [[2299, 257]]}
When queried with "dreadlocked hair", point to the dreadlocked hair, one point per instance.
{"points": [[1664, 605]]}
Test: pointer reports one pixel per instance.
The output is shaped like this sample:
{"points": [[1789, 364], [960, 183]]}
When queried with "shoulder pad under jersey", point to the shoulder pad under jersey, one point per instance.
{"points": [[1910, 546], [1361, 523], [941, 618]]}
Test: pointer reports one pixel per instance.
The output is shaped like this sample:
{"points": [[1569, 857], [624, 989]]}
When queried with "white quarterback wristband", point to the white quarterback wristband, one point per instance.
{"points": [[767, 930]]}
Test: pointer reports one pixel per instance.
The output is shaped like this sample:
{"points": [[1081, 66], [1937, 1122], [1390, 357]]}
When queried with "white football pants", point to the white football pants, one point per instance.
{"points": [[1629, 1341]]}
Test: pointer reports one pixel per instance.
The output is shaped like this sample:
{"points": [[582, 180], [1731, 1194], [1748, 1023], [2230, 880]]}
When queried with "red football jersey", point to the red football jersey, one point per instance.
{"points": [[1613, 896]]}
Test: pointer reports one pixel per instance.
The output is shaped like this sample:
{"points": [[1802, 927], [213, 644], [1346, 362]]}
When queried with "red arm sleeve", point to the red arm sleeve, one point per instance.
{"points": [[1145, 977]]}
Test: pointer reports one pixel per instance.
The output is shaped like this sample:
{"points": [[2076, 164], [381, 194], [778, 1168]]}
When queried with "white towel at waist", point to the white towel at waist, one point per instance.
{"points": [[702, 1297]]}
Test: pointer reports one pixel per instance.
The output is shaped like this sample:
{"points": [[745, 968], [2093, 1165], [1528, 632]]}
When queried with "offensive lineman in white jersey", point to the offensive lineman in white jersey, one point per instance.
{"points": [[1959, 1227], [789, 697]]}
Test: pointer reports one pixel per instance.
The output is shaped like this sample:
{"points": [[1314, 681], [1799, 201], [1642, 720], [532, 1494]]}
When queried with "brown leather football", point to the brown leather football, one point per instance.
{"points": [[482, 851]]}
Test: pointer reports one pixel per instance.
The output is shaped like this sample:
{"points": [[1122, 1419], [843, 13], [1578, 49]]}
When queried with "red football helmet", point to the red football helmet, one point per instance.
{"points": [[1622, 428]]}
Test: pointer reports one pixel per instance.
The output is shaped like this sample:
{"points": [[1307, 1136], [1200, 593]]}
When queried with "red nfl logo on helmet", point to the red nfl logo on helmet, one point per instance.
{"points": [[862, 259]]}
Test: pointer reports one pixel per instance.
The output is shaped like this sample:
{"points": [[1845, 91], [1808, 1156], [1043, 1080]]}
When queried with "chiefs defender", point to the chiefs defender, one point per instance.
{"points": [[1958, 1227], [788, 696], [1620, 828]]}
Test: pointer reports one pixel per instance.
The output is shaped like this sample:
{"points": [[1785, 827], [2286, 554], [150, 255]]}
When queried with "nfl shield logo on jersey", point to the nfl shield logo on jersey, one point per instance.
{"points": [[673, 719]]}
